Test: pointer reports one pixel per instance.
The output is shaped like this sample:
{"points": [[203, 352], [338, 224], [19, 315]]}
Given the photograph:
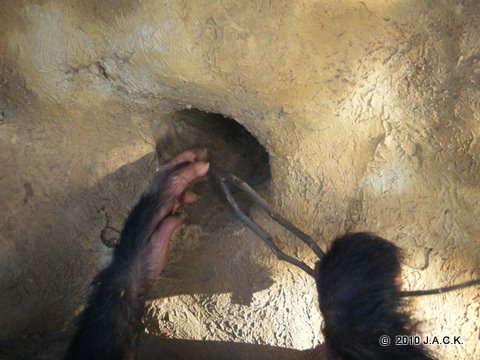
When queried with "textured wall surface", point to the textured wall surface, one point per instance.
{"points": [[369, 110]]}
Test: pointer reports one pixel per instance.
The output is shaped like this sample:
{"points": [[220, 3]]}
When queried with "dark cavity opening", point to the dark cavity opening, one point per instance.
{"points": [[206, 252], [230, 145]]}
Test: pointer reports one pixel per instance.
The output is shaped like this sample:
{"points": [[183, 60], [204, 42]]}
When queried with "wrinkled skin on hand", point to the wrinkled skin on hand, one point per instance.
{"points": [[110, 324], [156, 216]]}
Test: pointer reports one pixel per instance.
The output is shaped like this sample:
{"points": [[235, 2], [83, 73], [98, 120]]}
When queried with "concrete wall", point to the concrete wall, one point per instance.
{"points": [[369, 111]]}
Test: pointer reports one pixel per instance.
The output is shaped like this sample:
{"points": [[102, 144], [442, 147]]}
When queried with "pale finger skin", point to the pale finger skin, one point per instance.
{"points": [[188, 197], [191, 155], [176, 184], [180, 179], [159, 245], [178, 162]]}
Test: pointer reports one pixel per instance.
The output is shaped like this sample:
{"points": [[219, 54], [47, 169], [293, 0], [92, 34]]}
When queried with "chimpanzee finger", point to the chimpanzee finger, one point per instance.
{"points": [[187, 197], [166, 229], [191, 155], [179, 161], [200, 179], [159, 242], [179, 180]]}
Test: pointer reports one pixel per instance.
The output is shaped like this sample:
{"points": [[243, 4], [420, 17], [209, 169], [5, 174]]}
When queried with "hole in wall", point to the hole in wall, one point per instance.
{"points": [[211, 249], [230, 145]]}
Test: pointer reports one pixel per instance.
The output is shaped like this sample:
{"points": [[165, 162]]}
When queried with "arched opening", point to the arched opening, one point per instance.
{"points": [[213, 244], [230, 145]]}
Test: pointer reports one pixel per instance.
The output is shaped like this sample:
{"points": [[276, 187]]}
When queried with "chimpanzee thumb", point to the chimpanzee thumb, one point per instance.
{"points": [[159, 244]]}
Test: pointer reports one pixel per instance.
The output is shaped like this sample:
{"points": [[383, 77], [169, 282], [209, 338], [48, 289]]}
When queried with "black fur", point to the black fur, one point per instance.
{"points": [[110, 323], [109, 326], [360, 300]]}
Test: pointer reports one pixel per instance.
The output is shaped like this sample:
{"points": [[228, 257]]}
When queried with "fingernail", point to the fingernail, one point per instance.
{"points": [[201, 170]]}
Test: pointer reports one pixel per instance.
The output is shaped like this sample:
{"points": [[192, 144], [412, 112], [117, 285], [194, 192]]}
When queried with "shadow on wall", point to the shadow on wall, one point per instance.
{"points": [[152, 347], [67, 232], [176, 349], [206, 268]]}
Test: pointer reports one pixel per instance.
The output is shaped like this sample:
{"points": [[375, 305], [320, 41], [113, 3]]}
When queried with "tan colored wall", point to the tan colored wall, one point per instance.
{"points": [[369, 110]]}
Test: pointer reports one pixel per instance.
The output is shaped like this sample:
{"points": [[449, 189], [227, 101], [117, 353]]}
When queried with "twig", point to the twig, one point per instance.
{"points": [[223, 176], [257, 199], [260, 232], [440, 290]]}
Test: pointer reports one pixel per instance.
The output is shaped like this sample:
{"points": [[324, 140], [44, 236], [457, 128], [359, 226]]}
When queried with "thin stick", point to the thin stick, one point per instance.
{"points": [[440, 290], [257, 199], [223, 176], [260, 232]]}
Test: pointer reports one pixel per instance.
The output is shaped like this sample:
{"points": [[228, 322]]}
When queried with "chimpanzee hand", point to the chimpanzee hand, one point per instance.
{"points": [[143, 247], [110, 323], [169, 190]]}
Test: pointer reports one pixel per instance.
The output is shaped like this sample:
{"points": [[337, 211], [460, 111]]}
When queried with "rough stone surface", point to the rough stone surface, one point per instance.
{"points": [[369, 111]]}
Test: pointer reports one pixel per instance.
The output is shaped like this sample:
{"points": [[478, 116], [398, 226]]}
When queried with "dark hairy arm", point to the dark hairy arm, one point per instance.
{"points": [[109, 326]]}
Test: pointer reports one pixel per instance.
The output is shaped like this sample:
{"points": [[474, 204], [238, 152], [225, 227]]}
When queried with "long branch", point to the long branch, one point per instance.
{"points": [[261, 233]]}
